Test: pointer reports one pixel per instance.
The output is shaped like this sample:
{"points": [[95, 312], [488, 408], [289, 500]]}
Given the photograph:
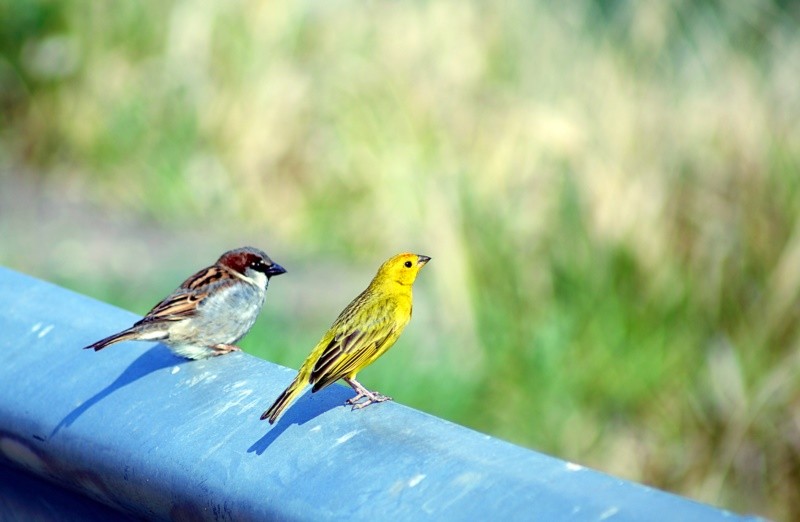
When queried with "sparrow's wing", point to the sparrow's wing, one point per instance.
{"points": [[183, 302], [358, 340]]}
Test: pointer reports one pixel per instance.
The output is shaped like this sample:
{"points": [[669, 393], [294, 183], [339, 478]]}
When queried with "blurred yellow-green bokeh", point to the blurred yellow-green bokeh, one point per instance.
{"points": [[610, 191]]}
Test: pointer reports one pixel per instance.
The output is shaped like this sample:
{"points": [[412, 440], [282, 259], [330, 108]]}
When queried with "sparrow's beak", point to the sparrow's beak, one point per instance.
{"points": [[421, 260], [275, 269]]}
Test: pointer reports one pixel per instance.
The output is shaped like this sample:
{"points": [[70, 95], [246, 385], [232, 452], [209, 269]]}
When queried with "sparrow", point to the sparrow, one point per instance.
{"points": [[210, 311]]}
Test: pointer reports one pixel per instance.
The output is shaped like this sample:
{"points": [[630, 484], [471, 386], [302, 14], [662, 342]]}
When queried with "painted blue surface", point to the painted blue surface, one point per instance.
{"points": [[26, 498], [136, 428]]}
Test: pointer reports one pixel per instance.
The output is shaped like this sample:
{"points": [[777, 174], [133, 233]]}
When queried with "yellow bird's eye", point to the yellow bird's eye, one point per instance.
{"points": [[407, 264]]}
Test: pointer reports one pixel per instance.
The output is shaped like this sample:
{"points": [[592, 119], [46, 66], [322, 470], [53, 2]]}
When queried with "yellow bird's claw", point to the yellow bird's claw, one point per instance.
{"points": [[371, 397]]}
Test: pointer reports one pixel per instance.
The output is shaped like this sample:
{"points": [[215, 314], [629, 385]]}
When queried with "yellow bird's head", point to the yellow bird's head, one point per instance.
{"points": [[402, 268]]}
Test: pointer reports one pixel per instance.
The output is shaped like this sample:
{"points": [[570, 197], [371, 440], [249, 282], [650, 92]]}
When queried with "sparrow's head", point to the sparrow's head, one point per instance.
{"points": [[251, 263], [402, 268]]}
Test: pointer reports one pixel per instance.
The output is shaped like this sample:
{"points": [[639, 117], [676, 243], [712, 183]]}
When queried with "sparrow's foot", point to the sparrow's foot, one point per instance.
{"points": [[363, 393], [222, 349]]}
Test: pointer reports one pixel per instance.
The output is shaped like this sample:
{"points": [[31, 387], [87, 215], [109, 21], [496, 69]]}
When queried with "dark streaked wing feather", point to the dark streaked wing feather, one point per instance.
{"points": [[347, 362], [352, 345], [206, 277], [184, 301]]}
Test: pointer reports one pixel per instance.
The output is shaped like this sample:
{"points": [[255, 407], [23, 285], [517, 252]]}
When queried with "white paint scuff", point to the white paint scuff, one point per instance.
{"points": [[175, 369], [45, 330], [416, 479], [197, 379], [571, 466], [347, 436], [608, 513], [237, 401]]}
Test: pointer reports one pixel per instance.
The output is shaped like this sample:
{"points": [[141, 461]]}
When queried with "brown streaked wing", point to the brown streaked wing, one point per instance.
{"points": [[205, 277], [175, 308], [184, 303]]}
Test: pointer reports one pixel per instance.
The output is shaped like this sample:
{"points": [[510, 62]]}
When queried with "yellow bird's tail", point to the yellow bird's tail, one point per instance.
{"points": [[288, 395]]}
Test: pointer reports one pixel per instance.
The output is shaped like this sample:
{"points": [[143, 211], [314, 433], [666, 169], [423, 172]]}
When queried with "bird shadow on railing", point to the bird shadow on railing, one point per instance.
{"points": [[157, 358], [305, 409]]}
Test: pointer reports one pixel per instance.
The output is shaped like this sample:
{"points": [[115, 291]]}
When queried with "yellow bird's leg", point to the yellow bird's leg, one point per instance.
{"points": [[222, 349], [361, 393]]}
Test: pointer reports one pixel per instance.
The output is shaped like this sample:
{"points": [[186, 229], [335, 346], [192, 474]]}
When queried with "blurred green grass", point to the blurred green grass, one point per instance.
{"points": [[609, 191]]}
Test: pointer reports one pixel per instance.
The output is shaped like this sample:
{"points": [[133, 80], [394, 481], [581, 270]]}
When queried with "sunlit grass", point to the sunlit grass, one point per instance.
{"points": [[609, 191]]}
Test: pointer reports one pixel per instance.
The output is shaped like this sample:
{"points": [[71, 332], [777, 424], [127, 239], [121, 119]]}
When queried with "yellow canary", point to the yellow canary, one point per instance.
{"points": [[364, 330]]}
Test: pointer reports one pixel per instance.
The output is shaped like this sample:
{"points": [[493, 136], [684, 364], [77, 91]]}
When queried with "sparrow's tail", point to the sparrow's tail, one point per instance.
{"points": [[124, 335], [111, 339], [288, 395]]}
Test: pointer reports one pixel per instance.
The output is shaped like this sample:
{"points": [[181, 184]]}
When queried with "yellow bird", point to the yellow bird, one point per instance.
{"points": [[364, 331]]}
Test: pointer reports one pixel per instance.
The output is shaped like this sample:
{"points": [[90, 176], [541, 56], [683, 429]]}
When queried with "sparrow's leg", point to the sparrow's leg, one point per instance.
{"points": [[361, 393], [222, 349]]}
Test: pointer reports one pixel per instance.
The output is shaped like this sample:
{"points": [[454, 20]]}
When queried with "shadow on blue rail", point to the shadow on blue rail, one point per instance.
{"points": [[155, 359], [306, 408]]}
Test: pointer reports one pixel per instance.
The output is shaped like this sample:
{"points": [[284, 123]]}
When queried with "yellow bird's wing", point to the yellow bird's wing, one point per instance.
{"points": [[357, 341]]}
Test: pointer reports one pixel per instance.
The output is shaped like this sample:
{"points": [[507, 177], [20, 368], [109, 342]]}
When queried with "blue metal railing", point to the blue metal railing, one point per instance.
{"points": [[151, 435]]}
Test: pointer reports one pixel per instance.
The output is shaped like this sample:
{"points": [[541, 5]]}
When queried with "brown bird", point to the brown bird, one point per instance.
{"points": [[209, 312]]}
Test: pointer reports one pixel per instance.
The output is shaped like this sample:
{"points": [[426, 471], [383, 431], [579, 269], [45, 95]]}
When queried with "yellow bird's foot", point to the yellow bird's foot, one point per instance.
{"points": [[376, 397], [222, 349], [363, 393]]}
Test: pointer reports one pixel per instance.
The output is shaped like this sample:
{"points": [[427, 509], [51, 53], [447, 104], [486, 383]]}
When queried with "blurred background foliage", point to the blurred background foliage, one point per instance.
{"points": [[609, 190]]}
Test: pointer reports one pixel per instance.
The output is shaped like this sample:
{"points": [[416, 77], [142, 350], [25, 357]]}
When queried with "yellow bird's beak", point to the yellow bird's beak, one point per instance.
{"points": [[421, 260]]}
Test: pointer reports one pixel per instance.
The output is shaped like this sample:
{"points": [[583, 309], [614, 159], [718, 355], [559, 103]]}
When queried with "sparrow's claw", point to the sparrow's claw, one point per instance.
{"points": [[222, 349]]}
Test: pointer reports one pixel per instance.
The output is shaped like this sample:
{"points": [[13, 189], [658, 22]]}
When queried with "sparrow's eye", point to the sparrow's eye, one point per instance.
{"points": [[407, 264], [257, 264]]}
